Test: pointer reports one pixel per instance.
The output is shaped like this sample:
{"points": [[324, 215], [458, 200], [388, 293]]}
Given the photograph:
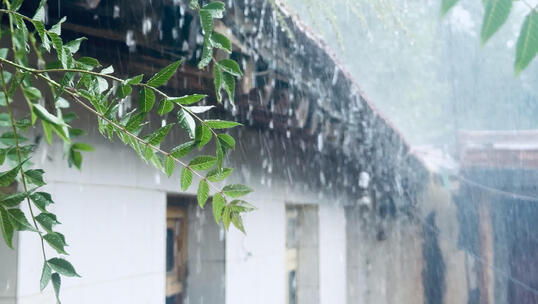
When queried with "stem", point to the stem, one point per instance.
{"points": [[9, 12], [143, 85], [111, 77], [19, 159], [76, 97]]}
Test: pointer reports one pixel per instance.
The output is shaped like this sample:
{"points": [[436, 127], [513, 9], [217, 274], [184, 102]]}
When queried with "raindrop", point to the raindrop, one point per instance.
{"points": [[320, 142], [129, 41], [116, 13], [146, 26]]}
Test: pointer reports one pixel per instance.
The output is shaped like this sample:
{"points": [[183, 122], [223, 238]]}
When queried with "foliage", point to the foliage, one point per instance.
{"points": [[79, 80], [496, 14]]}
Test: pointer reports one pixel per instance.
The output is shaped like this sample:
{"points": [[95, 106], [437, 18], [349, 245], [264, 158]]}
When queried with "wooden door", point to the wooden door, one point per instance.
{"points": [[176, 254]]}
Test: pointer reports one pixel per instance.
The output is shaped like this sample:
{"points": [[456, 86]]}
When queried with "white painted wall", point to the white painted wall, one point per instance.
{"points": [[255, 268], [8, 273], [116, 238], [332, 254], [113, 216]]}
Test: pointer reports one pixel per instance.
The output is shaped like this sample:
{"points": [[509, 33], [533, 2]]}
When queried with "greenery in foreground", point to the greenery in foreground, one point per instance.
{"points": [[495, 15], [82, 81]]}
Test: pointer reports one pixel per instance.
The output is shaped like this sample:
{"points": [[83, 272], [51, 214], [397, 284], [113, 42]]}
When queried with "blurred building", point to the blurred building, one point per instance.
{"points": [[497, 213]]}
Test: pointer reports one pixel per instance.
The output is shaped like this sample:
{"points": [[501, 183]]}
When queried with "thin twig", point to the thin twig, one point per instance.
{"points": [[76, 97], [19, 158], [111, 77]]}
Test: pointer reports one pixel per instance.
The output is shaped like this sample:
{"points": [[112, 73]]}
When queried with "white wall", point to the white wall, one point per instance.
{"points": [[8, 272], [255, 269], [116, 239], [115, 230], [332, 254]]}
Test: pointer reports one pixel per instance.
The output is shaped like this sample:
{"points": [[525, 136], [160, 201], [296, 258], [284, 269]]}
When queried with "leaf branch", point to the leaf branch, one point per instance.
{"points": [[19, 159], [76, 97]]}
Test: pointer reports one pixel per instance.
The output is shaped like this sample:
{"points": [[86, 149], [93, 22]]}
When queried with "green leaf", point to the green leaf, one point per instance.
{"points": [[13, 200], [237, 221], [35, 176], [217, 81], [40, 12], [497, 12], [146, 100], [241, 206], [527, 42], [186, 179], [227, 141], [7, 228], [41, 200], [63, 103], [124, 90], [148, 152], [206, 19], [207, 53], [226, 217], [199, 109], [187, 122], [58, 46], [74, 158], [236, 190], [221, 124], [3, 153], [45, 276], [164, 75], [229, 85], [33, 94], [165, 107], [135, 80], [446, 5], [7, 177], [5, 120], [203, 193], [15, 5], [42, 113], [188, 99], [218, 206], [47, 221], [56, 242], [108, 70], [231, 67], [56, 283], [89, 61], [82, 147], [169, 165], [63, 267], [135, 122], [203, 135], [183, 149], [219, 174], [74, 45], [202, 162], [215, 8], [220, 41], [40, 28], [19, 221], [158, 136], [57, 28]]}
